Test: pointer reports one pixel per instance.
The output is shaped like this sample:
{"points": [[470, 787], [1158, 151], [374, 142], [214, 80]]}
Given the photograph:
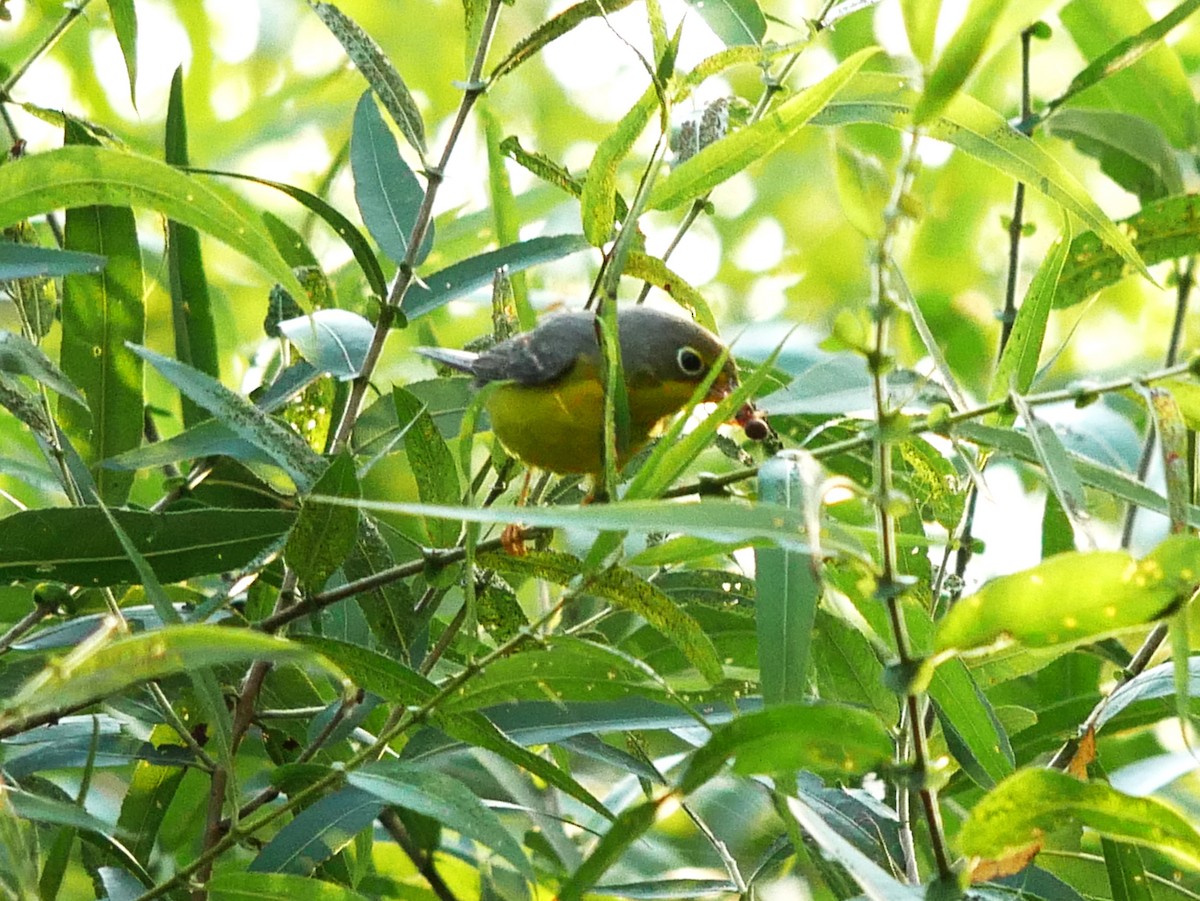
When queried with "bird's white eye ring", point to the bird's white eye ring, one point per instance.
{"points": [[690, 362]]}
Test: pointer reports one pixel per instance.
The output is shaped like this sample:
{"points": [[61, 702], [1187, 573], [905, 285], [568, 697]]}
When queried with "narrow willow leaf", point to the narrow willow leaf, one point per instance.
{"points": [[247, 886], [1073, 597], [720, 520], [735, 22], [983, 133], [876, 882], [1127, 877], [1013, 817], [789, 582], [1121, 36], [271, 436], [191, 307], [598, 203], [920, 22], [100, 313], [958, 59], [505, 213], [25, 261], [318, 832], [653, 270], [477, 272], [725, 158], [379, 72], [125, 24], [1094, 475], [1145, 688], [453, 804], [1131, 150], [552, 29], [81, 176], [323, 534], [398, 684], [1163, 230], [152, 787], [432, 464], [1060, 471], [77, 546], [354, 239], [333, 341], [19, 357], [388, 193], [53, 812], [631, 825], [973, 732], [1019, 358], [1173, 445], [389, 607], [821, 736], [628, 591], [100, 668]]}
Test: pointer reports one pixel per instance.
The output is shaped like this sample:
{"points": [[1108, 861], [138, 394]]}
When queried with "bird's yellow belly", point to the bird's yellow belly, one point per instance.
{"points": [[557, 428]]}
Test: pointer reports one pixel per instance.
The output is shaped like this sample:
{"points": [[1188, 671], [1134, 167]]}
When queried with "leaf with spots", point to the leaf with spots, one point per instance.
{"points": [[628, 591], [1072, 598], [1016, 814]]}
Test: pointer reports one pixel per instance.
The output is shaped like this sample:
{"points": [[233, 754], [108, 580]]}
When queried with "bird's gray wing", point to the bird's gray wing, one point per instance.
{"points": [[542, 355]]}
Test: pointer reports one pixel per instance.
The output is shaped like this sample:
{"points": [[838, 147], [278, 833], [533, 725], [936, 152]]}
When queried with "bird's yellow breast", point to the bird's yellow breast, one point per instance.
{"points": [[560, 426]]}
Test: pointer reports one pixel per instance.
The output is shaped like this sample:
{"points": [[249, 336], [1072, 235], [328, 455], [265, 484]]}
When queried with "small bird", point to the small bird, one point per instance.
{"points": [[550, 412]]}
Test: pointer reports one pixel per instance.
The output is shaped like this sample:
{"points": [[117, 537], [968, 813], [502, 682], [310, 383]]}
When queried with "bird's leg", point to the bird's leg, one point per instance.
{"points": [[512, 539]]}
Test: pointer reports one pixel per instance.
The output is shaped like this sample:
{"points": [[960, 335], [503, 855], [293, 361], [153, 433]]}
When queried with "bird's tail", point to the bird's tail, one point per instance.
{"points": [[462, 360]]}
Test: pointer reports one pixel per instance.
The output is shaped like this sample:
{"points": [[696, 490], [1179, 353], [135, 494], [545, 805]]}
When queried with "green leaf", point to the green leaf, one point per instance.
{"points": [[1126, 873], [431, 462], [1132, 70], [125, 24], [1131, 150], [655, 271], [1073, 597], [272, 437], [152, 787], [19, 357], [323, 534], [191, 306], [735, 22], [379, 72], [1163, 230], [318, 832], [920, 22], [354, 239], [477, 272], [725, 158], [101, 667], [1151, 685], [628, 828], [1061, 475], [77, 546], [788, 582], [243, 886], [983, 133], [552, 29], [100, 313], [83, 176], [628, 591], [959, 59], [388, 193], [1019, 358], [25, 261], [1023, 807], [437, 795], [819, 736], [333, 341], [876, 882], [53, 812], [598, 203], [973, 733]]}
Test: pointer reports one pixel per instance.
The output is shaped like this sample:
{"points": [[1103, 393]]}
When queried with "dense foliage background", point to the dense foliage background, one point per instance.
{"points": [[931, 637]]}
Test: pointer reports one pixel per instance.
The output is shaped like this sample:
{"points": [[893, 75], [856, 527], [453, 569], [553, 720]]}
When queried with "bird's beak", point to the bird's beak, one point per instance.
{"points": [[724, 385]]}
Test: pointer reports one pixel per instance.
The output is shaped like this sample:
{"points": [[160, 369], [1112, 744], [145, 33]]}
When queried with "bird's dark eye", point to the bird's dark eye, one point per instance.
{"points": [[689, 361]]}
